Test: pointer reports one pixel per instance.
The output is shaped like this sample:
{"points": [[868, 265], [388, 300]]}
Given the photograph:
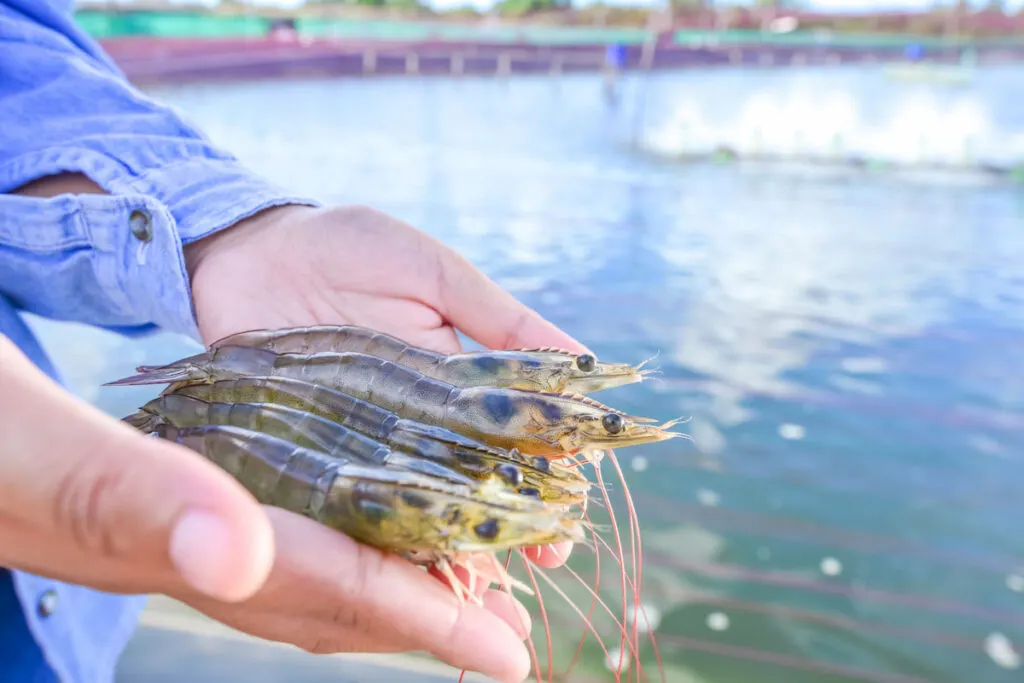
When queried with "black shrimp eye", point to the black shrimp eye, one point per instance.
{"points": [[487, 530], [510, 473], [612, 423], [542, 463], [586, 362], [530, 492]]}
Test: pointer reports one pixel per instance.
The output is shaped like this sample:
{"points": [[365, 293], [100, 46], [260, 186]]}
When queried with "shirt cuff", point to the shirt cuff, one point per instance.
{"points": [[139, 263], [176, 198], [205, 195]]}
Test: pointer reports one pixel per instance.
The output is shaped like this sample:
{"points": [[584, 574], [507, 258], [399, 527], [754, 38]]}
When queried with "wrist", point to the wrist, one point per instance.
{"points": [[199, 252], [47, 187]]}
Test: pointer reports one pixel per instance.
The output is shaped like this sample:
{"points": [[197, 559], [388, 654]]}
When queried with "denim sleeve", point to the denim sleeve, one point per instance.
{"points": [[114, 260]]}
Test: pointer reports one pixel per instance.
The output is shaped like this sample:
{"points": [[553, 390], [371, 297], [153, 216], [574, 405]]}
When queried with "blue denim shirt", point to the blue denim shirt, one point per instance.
{"points": [[113, 261]]}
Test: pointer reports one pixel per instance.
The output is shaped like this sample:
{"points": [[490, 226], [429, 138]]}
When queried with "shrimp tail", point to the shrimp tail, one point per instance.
{"points": [[186, 370]]}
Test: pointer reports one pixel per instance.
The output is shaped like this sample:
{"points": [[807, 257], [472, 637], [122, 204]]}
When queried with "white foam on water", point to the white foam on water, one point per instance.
{"points": [[917, 130], [830, 566], [617, 657], [708, 497], [718, 621], [999, 648], [792, 432], [647, 617]]}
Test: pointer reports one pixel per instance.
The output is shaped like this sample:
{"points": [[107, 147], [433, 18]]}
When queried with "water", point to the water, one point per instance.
{"points": [[848, 344], [815, 116]]}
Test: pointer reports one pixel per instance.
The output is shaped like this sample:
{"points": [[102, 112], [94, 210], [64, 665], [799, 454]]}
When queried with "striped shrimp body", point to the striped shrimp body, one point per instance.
{"points": [[542, 369], [535, 423], [396, 511], [554, 484], [301, 428]]}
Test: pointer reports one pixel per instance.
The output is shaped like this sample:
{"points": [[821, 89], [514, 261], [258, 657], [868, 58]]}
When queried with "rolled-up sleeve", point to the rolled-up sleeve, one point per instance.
{"points": [[109, 260]]}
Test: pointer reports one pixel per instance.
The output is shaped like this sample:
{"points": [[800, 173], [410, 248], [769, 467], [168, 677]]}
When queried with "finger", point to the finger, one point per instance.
{"points": [[318, 636], [499, 602], [478, 306], [322, 573], [441, 339], [476, 584], [549, 556], [511, 611], [97, 489]]}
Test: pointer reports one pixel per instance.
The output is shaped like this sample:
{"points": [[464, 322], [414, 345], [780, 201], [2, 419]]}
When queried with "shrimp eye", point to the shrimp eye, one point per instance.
{"points": [[510, 473], [530, 492], [612, 423], [487, 530], [586, 362]]}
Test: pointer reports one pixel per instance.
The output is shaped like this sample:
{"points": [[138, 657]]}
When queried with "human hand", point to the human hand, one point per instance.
{"points": [[293, 266], [86, 499]]}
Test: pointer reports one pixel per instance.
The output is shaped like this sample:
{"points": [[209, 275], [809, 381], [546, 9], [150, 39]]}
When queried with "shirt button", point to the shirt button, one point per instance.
{"points": [[48, 603], [142, 225]]}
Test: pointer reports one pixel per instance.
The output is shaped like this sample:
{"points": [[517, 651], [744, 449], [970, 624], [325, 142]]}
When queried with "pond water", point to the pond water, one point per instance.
{"points": [[848, 343]]}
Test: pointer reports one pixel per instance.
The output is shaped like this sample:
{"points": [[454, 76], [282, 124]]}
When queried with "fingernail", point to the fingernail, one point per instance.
{"points": [[201, 552]]}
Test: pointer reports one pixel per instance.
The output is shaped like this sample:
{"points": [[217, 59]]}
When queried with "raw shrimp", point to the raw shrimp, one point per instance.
{"points": [[302, 429], [552, 483], [535, 423], [540, 369], [400, 512]]}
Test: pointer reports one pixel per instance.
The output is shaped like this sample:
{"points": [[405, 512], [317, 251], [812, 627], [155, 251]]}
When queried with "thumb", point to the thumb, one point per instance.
{"points": [[101, 499], [478, 306]]}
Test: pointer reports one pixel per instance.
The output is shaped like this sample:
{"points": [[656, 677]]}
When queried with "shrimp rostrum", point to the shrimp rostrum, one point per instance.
{"points": [[532, 422]]}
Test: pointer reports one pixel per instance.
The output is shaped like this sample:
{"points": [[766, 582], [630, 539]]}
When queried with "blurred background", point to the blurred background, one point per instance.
{"points": [[811, 212]]}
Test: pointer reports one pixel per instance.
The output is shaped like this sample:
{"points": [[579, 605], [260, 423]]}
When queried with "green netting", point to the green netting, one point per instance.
{"points": [[169, 24], [185, 24], [188, 24], [812, 38]]}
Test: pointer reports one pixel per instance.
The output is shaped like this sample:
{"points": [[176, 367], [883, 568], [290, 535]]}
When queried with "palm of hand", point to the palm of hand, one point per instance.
{"points": [[350, 265], [300, 266]]}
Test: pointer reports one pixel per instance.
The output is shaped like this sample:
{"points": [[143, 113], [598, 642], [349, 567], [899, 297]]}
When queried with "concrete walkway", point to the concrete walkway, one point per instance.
{"points": [[176, 644]]}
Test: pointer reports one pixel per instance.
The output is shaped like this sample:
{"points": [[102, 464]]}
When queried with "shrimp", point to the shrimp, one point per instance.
{"points": [[553, 484], [423, 519], [539, 424], [303, 429], [534, 423], [539, 369], [404, 513]]}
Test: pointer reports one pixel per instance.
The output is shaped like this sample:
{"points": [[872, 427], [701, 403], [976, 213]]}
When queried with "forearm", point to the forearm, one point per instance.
{"points": [[106, 188]]}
